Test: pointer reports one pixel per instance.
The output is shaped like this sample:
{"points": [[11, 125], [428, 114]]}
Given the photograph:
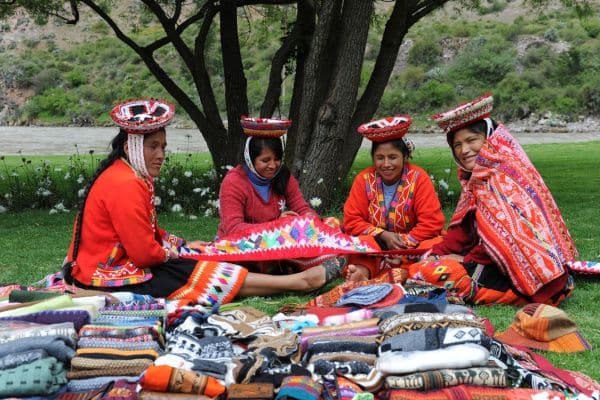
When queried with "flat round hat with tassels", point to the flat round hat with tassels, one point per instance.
{"points": [[264, 127], [386, 129], [465, 114], [142, 116]]}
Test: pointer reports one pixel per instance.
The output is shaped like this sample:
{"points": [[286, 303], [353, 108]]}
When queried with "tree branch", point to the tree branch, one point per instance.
{"points": [[277, 64], [74, 13], [177, 12], [180, 28], [159, 73], [423, 9]]}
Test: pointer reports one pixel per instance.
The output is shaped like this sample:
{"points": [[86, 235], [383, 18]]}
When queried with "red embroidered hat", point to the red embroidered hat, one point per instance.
{"points": [[465, 113], [540, 326], [142, 116], [264, 127], [385, 129]]}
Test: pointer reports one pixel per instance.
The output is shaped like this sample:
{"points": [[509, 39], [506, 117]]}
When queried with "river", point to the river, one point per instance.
{"points": [[27, 140]]}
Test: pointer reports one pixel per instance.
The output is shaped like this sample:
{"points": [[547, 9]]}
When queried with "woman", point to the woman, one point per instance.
{"points": [[117, 243], [507, 242], [262, 190], [393, 201]]}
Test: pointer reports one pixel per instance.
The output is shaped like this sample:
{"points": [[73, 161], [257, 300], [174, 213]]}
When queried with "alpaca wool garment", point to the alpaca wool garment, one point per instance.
{"points": [[39, 378], [299, 388], [459, 356], [365, 295], [163, 378], [431, 339]]}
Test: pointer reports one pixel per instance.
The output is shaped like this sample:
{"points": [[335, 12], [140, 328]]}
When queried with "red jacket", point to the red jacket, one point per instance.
{"points": [[418, 212], [241, 206], [120, 237]]}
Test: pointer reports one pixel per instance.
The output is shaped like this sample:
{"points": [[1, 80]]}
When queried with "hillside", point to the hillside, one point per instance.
{"points": [[540, 66]]}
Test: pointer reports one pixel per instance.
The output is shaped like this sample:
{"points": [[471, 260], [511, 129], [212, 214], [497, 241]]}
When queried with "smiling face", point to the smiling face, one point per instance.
{"points": [[465, 146], [154, 151], [389, 162], [266, 164]]}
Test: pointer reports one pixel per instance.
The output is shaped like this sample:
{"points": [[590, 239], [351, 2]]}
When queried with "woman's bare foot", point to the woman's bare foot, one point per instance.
{"points": [[357, 273]]}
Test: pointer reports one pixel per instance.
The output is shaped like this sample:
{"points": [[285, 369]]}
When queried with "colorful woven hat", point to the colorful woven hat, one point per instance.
{"points": [[540, 326], [465, 113], [385, 129], [265, 127], [142, 116]]}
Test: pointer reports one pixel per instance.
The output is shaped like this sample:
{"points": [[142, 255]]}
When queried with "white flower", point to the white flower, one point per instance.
{"points": [[176, 208], [2, 177], [43, 192], [228, 167], [193, 217], [80, 179], [67, 176], [214, 204], [188, 174], [58, 170], [61, 207], [196, 190], [304, 171], [2, 209], [320, 181], [7, 196], [282, 205], [157, 201], [443, 184], [450, 193], [175, 181], [315, 202], [53, 211], [208, 212], [80, 192], [171, 193], [14, 174], [447, 170]]}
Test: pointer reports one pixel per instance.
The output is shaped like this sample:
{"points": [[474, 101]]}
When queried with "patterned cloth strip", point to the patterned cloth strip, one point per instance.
{"points": [[584, 267], [158, 312], [437, 379]]}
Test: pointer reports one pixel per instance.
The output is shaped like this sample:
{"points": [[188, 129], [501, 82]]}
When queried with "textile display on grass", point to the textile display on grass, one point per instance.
{"points": [[517, 218], [300, 237]]}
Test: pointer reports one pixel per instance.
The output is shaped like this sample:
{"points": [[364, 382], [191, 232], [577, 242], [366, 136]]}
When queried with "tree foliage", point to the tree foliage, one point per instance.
{"points": [[322, 46]]}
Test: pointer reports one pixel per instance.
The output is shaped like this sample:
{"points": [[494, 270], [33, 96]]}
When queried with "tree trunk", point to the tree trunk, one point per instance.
{"points": [[236, 97], [321, 160]]}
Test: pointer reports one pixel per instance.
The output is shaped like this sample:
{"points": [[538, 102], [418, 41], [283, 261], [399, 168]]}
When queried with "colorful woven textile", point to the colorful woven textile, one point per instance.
{"points": [[518, 221], [211, 283], [584, 267], [437, 379], [464, 392], [42, 377], [163, 378], [286, 238]]}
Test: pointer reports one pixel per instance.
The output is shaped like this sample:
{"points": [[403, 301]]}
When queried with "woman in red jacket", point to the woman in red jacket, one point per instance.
{"points": [[393, 201], [117, 243], [507, 242]]}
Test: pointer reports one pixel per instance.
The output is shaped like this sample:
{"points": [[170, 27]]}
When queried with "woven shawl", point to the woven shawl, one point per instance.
{"points": [[517, 219]]}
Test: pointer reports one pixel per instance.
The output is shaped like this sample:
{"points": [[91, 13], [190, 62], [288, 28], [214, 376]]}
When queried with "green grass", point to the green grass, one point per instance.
{"points": [[34, 243]]}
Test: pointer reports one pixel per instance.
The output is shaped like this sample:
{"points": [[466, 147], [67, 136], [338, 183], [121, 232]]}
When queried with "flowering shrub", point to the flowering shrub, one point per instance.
{"points": [[183, 187]]}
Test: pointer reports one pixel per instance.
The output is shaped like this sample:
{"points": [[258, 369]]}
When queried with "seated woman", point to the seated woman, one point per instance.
{"points": [[117, 244], [263, 190], [507, 242], [393, 201]]}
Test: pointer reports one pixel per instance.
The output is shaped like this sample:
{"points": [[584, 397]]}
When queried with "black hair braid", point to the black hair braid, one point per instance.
{"points": [[117, 152]]}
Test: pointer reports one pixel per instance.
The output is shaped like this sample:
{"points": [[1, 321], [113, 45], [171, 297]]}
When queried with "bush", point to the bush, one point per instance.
{"points": [[426, 51]]}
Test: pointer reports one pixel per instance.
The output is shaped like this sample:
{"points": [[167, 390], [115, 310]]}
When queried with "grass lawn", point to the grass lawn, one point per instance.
{"points": [[34, 243]]}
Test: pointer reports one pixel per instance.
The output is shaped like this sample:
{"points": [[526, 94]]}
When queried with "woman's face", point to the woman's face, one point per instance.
{"points": [[388, 162], [267, 164], [466, 146], [154, 151]]}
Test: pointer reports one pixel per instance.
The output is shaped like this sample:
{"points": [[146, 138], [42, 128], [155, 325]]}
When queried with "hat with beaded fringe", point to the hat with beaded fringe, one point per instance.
{"points": [[264, 127], [385, 129], [465, 114], [142, 116]]}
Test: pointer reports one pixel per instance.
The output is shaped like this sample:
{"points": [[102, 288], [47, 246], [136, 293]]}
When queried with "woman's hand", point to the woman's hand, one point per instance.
{"points": [[357, 273], [392, 240], [288, 214]]}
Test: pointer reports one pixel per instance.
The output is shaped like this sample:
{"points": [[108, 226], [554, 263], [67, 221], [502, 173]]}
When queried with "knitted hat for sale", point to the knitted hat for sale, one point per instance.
{"points": [[365, 295], [299, 388]]}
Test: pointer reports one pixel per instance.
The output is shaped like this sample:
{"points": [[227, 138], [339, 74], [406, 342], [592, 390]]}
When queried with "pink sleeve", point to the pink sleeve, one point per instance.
{"points": [[232, 203], [294, 199]]}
